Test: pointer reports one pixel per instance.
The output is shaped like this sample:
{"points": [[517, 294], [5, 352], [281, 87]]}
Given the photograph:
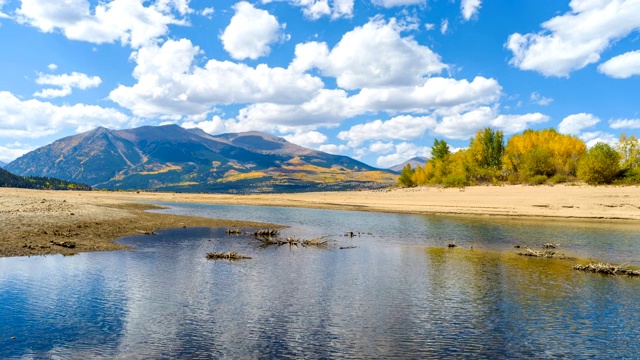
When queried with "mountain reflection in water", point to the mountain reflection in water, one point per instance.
{"points": [[401, 293]]}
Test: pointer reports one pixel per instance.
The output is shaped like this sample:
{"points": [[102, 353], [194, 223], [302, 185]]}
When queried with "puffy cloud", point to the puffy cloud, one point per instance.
{"points": [[207, 12], [576, 39], [52, 67], [250, 32], [213, 126], [33, 118], [536, 98], [624, 124], [66, 83], [381, 147], [392, 3], [433, 93], [169, 84], [315, 9], [404, 127], [403, 152], [470, 8], [574, 124], [11, 152], [464, 126], [327, 109], [308, 139], [511, 124], [333, 148], [622, 66], [356, 60], [342, 9], [592, 138], [129, 21]]}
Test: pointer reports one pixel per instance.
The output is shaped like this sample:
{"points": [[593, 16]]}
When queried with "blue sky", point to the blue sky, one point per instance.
{"points": [[377, 80]]}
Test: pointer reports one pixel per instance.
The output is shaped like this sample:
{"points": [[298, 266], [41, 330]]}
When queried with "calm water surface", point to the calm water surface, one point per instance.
{"points": [[399, 294]]}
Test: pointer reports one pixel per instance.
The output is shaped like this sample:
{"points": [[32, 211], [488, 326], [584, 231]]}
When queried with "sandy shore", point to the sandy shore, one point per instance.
{"points": [[32, 221], [560, 202], [37, 222]]}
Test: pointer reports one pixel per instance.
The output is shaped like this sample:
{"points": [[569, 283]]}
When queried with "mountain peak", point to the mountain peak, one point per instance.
{"points": [[172, 158], [414, 161]]}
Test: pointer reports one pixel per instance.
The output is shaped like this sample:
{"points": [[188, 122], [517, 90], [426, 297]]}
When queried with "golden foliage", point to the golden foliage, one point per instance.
{"points": [[163, 170]]}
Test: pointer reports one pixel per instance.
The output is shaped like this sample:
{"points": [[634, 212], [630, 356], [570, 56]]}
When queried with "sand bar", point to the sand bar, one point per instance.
{"points": [[38, 222], [561, 202], [33, 221]]}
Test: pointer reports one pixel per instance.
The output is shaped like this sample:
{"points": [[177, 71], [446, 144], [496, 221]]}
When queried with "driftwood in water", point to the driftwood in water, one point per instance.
{"points": [[607, 269], [266, 232], [234, 231], [549, 246], [64, 244], [549, 254], [231, 255], [291, 241], [347, 247]]}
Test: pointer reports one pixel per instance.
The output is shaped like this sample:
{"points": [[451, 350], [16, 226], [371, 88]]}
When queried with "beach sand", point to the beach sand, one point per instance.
{"points": [[32, 221], [38, 222]]}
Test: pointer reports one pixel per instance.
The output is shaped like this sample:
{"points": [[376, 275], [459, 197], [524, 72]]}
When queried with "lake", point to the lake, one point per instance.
{"points": [[400, 293]]}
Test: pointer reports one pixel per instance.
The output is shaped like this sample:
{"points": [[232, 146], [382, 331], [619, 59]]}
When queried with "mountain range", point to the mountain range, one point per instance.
{"points": [[2, 164], [415, 161], [171, 158]]}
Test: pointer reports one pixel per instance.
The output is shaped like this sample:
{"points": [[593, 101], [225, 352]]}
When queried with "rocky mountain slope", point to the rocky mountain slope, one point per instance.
{"points": [[415, 161], [171, 158]]}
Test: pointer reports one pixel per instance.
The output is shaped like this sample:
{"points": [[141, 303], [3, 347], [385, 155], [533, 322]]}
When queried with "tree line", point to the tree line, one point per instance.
{"points": [[533, 157], [8, 179]]}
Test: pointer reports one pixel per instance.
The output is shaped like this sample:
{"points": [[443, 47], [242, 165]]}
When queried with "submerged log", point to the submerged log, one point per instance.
{"points": [[234, 232], [607, 269], [549, 254], [231, 255], [266, 232], [64, 244]]}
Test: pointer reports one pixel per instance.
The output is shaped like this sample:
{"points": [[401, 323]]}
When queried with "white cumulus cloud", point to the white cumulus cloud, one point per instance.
{"points": [[132, 22], [576, 123], [34, 118], [65, 84], [9, 153], [592, 138], [315, 9], [169, 84], [625, 124], [576, 39], [308, 139], [433, 93], [403, 127], [356, 60], [463, 126], [250, 32], [393, 3], [622, 66], [403, 152], [470, 8]]}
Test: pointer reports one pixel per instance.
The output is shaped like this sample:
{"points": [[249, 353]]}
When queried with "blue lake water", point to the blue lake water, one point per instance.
{"points": [[400, 294]]}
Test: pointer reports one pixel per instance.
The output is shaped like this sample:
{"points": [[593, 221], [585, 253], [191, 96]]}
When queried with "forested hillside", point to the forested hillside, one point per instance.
{"points": [[8, 179]]}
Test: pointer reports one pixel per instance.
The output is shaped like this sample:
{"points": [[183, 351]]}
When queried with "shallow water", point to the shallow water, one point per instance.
{"points": [[400, 293]]}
